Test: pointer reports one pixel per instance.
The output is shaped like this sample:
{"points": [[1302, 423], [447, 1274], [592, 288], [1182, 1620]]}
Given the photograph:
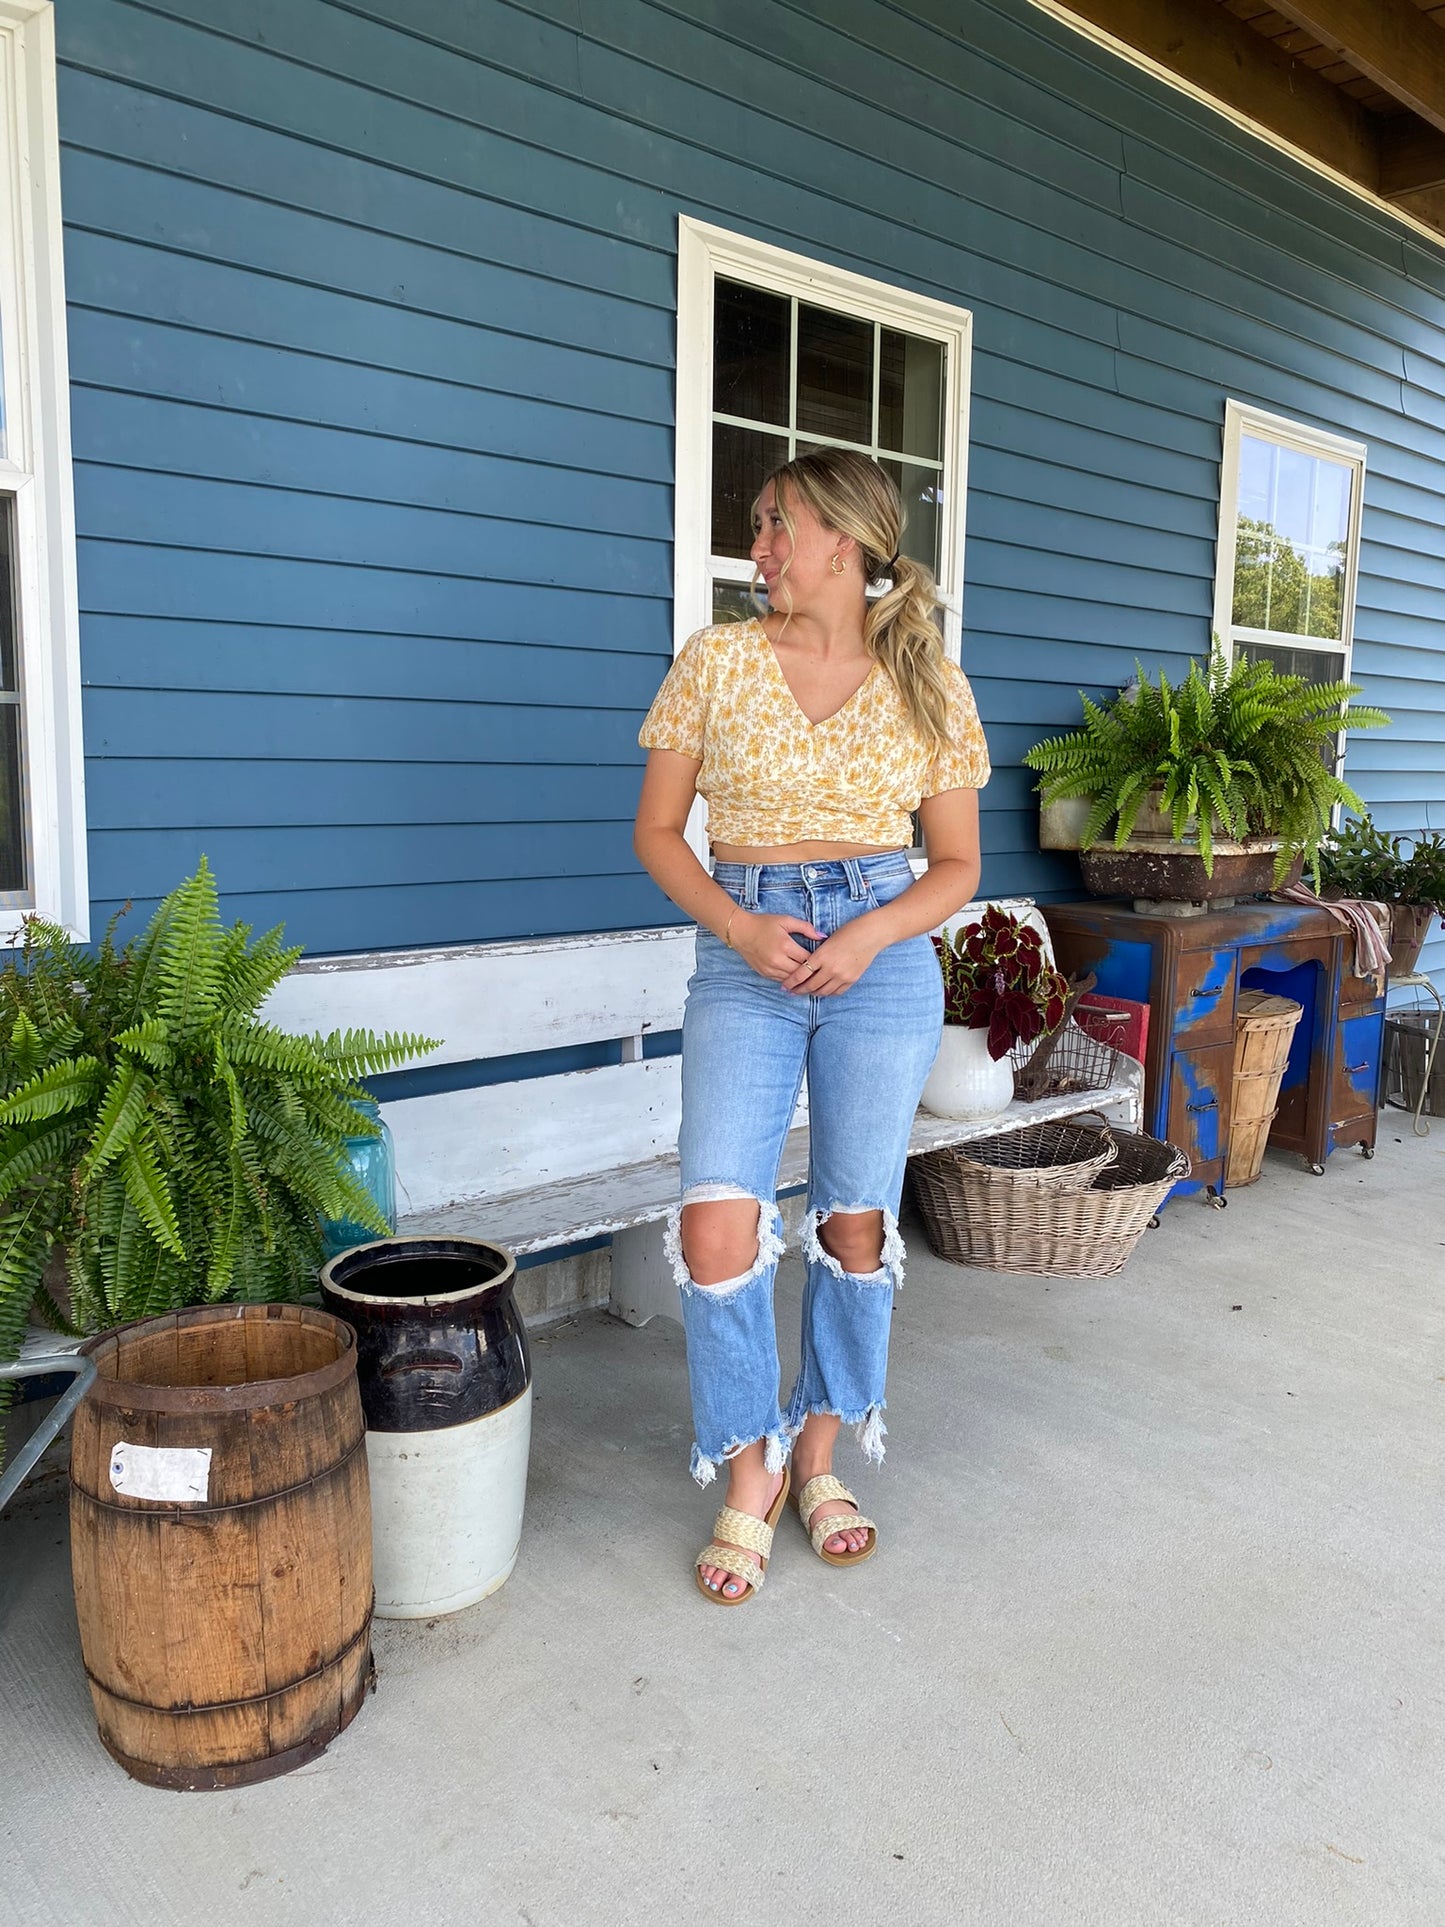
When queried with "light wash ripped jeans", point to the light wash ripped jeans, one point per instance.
{"points": [[746, 1043]]}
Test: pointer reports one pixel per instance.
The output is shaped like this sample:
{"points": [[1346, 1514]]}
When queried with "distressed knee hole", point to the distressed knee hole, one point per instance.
{"points": [[769, 1239], [889, 1267]]}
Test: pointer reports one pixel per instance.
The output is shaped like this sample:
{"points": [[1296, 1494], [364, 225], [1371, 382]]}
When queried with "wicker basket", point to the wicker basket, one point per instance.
{"points": [[1263, 1029], [1005, 1220], [1065, 1156]]}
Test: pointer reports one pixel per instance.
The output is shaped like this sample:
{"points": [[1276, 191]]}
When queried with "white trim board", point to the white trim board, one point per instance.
{"points": [[36, 471]]}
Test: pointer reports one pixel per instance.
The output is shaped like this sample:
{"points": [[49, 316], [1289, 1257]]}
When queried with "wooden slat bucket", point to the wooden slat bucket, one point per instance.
{"points": [[1263, 1027], [220, 1525]]}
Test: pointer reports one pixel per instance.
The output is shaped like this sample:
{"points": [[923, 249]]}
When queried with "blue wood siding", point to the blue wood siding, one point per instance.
{"points": [[372, 338]]}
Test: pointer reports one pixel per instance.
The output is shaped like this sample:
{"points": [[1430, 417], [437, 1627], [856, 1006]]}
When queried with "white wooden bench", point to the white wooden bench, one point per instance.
{"points": [[547, 1162]]}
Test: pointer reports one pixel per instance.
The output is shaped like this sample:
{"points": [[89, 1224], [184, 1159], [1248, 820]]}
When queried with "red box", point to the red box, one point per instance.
{"points": [[1114, 1020]]}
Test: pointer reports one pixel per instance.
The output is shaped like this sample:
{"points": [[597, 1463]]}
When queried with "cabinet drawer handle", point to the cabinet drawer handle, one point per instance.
{"points": [[1212, 990], [1210, 1106], [1353, 1070]]}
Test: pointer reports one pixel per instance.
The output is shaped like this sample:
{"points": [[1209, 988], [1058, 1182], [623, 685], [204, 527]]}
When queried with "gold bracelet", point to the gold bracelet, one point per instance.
{"points": [[728, 933]]}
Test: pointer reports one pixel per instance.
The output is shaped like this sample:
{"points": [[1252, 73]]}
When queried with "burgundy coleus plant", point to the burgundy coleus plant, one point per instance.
{"points": [[996, 977]]}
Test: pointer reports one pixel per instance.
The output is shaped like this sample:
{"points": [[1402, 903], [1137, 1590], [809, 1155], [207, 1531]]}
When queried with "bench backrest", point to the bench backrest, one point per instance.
{"points": [[506, 999]]}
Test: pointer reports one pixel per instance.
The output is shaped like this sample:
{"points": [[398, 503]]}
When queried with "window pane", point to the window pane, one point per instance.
{"points": [[1293, 530], [733, 602], [742, 460], [12, 823], [7, 594], [750, 353], [922, 492], [910, 394], [835, 375], [1315, 665]]}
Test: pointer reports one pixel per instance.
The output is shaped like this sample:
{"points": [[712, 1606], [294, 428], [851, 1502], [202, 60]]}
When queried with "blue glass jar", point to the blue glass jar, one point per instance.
{"points": [[373, 1165]]}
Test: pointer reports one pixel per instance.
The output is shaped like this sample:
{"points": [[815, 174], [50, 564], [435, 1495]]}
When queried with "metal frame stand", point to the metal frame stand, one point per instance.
{"points": [[1417, 980]]}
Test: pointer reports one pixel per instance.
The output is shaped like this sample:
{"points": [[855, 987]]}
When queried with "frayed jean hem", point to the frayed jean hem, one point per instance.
{"points": [[871, 1431], [776, 1448]]}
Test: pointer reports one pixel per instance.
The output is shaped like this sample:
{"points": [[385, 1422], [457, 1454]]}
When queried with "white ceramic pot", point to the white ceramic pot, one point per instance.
{"points": [[965, 1081], [446, 1511]]}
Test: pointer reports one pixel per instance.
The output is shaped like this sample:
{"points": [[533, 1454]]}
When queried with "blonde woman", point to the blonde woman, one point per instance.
{"points": [[813, 732]]}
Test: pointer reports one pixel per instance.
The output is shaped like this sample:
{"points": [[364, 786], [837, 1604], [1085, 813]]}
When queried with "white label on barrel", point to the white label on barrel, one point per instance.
{"points": [[161, 1471]]}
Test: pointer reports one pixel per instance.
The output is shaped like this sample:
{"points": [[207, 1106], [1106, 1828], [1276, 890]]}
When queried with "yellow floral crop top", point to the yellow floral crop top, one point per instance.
{"points": [[772, 777]]}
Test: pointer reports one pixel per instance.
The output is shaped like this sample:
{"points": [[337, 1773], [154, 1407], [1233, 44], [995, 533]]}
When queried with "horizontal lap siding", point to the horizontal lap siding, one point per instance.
{"points": [[372, 335]]}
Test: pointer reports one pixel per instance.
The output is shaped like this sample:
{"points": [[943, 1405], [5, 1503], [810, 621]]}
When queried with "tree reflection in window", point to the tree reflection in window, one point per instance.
{"points": [[1275, 587]]}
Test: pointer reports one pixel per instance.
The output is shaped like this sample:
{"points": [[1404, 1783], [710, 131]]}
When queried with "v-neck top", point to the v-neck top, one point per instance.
{"points": [[770, 776]]}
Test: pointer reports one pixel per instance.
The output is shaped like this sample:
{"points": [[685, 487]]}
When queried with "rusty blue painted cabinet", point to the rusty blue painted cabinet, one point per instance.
{"points": [[1190, 971]]}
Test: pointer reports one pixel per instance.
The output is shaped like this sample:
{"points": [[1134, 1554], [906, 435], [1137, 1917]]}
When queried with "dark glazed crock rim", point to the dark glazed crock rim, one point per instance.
{"points": [[330, 1287]]}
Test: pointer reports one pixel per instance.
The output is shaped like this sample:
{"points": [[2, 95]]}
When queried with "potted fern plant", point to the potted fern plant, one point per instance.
{"points": [[179, 1149], [1207, 788]]}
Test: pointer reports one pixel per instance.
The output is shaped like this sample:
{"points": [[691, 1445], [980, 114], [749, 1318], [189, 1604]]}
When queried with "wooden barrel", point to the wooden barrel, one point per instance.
{"points": [[1264, 1026], [220, 1525]]}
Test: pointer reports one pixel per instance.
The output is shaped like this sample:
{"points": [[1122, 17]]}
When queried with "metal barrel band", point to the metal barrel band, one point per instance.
{"points": [[202, 1508], [362, 1632]]}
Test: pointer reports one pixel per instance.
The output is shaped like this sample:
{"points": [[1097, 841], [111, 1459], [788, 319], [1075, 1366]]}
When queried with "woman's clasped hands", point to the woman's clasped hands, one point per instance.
{"points": [[768, 944]]}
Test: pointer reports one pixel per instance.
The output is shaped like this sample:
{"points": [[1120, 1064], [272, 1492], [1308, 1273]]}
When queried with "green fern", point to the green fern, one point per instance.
{"points": [[182, 1149], [1236, 749]]}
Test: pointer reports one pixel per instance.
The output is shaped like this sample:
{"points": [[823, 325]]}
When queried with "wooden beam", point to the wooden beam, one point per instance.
{"points": [[1391, 41], [1412, 156], [1427, 204], [1202, 43]]}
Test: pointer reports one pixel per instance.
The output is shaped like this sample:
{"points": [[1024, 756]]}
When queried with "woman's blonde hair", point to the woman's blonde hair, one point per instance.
{"points": [[852, 495]]}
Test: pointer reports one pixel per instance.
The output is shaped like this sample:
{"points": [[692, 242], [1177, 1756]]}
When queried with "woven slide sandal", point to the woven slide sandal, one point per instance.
{"points": [[817, 1492], [743, 1530]]}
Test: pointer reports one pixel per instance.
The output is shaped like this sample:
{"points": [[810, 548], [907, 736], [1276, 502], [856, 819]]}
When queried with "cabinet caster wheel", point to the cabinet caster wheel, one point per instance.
{"points": [[1317, 1170], [1154, 1223], [1367, 1150], [1216, 1203]]}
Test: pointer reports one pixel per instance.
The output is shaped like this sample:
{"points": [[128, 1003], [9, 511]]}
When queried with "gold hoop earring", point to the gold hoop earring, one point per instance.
{"points": [[836, 565]]}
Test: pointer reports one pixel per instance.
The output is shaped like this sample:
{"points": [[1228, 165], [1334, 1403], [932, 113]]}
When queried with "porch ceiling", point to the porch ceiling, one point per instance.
{"points": [[1359, 84]]}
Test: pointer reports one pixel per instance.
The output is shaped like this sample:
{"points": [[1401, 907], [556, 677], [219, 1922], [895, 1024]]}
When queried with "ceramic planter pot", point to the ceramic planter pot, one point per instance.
{"points": [[965, 1081], [1156, 870], [1409, 926], [1061, 825]]}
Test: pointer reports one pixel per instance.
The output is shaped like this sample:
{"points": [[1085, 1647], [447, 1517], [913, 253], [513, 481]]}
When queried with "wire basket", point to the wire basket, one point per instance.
{"points": [[996, 1218], [1065, 1156], [1068, 1063]]}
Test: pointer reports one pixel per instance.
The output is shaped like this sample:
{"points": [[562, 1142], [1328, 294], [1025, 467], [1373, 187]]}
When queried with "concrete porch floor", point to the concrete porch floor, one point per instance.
{"points": [[1154, 1635]]}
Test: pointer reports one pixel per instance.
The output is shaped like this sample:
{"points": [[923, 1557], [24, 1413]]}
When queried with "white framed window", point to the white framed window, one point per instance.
{"points": [[42, 815], [777, 354], [1289, 543]]}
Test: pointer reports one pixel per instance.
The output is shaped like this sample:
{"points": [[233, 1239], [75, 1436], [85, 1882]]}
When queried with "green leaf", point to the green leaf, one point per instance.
{"points": [[122, 1111], [63, 1087], [151, 1195], [25, 1156], [189, 987]]}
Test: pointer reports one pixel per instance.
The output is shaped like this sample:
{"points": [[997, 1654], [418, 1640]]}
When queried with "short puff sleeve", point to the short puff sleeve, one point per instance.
{"points": [[963, 764], [678, 716]]}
